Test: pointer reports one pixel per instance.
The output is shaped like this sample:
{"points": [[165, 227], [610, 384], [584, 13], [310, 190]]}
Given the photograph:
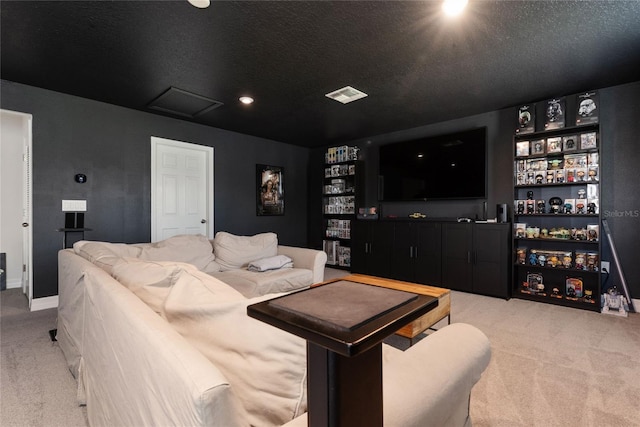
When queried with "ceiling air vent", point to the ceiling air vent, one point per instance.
{"points": [[346, 94], [183, 103]]}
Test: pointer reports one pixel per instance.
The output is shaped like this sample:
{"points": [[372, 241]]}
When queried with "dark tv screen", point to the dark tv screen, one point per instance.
{"points": [[451, 166]]}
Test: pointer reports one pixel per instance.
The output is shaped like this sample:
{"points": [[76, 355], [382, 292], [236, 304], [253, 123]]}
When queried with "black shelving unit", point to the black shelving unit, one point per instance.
{"points": [[556, 211], [341, 199]]}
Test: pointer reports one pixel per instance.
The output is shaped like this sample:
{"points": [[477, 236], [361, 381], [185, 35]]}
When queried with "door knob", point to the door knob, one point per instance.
{"points": [[25, 224], [203, 221]]}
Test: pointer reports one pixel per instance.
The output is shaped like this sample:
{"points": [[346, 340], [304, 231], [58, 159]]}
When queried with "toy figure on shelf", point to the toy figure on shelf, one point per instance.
{"points": [[529, 177], [542, 260], [591, 208], [588, 295], [566, 260], [568, 207], [554, 205], [530, 206], [539, 178], [520, 207], [592, 261], [541, 206], [580, 260], [549, 177], [560, 177], [533, 257], [580, 208]]}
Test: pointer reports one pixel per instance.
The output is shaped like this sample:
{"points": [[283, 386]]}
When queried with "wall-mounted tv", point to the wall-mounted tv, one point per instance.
{"points": [[451, 166]]}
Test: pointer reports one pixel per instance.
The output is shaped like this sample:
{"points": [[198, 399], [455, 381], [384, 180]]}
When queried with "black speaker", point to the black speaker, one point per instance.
{"points": [[69, 220], [74, 220], [502, 212], [79, 219]]}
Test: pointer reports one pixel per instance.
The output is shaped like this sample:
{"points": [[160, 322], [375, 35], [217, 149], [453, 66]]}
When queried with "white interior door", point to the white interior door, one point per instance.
{"points": [[16, 238], [181, 189]]}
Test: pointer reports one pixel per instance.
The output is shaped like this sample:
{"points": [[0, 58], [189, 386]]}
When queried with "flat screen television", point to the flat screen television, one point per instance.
{"points": [[451, 166]]}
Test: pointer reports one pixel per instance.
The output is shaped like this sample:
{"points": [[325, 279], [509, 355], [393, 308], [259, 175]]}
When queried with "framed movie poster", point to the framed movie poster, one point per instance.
{"points": [[269, 190]]}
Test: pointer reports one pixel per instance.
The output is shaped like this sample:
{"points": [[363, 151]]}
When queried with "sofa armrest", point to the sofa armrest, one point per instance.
{"points": [[310, 259], [431, 382]]}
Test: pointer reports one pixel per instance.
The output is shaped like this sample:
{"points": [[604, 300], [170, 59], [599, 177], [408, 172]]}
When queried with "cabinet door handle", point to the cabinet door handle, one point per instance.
{"points": [[468, 257], [415, 252], [410, 251]]}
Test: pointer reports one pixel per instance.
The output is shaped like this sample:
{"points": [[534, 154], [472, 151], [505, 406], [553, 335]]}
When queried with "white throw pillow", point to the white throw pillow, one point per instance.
{"points": [[233, 252]]}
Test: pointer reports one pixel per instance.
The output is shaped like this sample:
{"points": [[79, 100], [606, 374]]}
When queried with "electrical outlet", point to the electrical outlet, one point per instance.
{"points": [[604, 265]]}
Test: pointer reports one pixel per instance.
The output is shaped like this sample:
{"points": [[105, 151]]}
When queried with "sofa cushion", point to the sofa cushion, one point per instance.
{"points": [[194, 249], [252, 284], [266, 366], [104, 254], [233, 252], [153, 281]]}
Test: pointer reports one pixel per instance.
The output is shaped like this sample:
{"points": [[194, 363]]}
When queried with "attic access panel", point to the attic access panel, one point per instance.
{"points": [[183, 103]]}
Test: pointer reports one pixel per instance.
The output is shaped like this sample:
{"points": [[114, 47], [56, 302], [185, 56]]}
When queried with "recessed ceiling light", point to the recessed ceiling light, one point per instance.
{"points": [[454, 7], [200, 4], [346, 94], [246, 100]]}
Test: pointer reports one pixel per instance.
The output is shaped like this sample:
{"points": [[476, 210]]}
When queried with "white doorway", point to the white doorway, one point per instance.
{"points": [[16, 237], [181, 189]]}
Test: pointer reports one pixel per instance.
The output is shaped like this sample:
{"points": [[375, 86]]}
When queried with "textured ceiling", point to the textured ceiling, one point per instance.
{"points": [[417, 67]]}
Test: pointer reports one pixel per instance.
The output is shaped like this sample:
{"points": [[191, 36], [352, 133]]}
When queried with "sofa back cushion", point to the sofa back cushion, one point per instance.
{"points": [[233, 252], [153, 281], [104, 254], [194, 249]]}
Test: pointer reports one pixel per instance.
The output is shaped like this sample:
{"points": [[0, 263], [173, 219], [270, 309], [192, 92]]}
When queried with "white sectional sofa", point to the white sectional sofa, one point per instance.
{"points": [[157, 335]]}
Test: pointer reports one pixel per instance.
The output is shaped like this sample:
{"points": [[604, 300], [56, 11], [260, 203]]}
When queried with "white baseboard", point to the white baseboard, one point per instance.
{"points": [[14, 283], [636, 304], [44, 303]]}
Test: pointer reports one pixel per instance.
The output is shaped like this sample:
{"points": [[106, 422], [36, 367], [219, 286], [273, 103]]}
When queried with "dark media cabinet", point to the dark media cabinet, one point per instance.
{"points": [[470, 257]]}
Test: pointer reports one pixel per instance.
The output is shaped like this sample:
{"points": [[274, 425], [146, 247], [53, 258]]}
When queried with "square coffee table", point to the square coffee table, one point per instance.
{"points": [[418, 326]]}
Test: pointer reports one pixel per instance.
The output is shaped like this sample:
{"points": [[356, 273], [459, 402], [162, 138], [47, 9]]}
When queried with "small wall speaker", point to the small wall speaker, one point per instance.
{"points": [[502, 212]]}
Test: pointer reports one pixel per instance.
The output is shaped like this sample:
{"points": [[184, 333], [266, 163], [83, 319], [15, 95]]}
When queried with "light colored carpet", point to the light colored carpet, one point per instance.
{"points": [[37, 389], [550, 366]]}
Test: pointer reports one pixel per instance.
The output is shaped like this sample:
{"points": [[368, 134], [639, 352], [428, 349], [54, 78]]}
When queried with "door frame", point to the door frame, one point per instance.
{"points": [[181, 145], [27, 201]]}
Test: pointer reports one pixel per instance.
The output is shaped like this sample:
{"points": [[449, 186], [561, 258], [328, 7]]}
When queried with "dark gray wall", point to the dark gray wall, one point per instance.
{"points": [[111, 145], [620, 166]]}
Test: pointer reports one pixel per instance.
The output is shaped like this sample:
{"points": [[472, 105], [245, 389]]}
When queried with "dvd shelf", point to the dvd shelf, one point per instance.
{"points": [[556, 216], [343, 177]]}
